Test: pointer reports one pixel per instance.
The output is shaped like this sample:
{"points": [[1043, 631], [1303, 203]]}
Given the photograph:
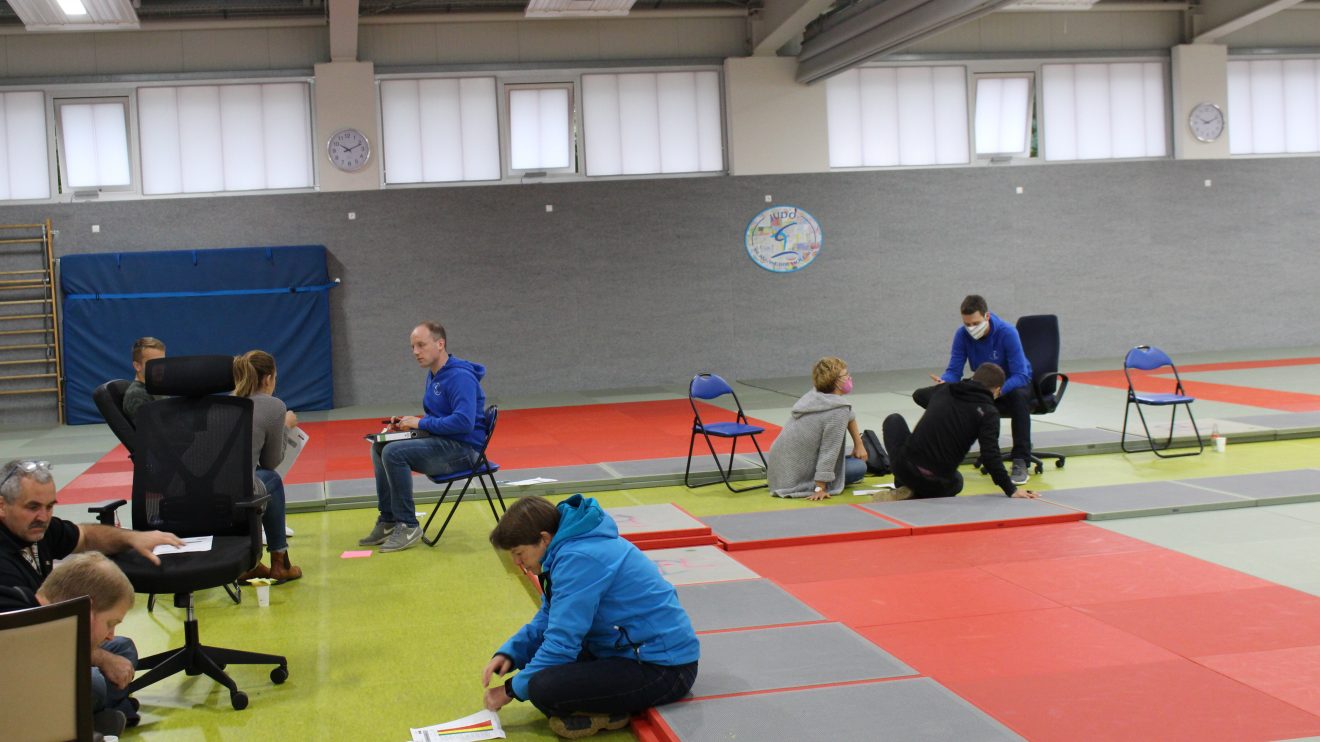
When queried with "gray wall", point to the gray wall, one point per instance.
{"points": [[644, 282]]}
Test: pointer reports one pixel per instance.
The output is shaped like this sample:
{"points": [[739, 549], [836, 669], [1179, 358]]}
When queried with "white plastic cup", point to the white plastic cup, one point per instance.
{"points": [[263, 596], [1221, 443]]}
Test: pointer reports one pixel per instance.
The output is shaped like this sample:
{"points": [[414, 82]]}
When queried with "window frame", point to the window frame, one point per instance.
{"points": [[575, 166], [127, 102], [1028, 151]]}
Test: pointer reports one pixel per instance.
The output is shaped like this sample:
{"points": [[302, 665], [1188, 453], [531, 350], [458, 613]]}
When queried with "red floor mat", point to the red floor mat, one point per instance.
{"points": [[1272, 399], [1292, 675], [525, 439]]}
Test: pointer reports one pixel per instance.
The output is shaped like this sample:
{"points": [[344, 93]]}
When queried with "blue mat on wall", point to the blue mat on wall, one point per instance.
{"points": [[198, 301]]}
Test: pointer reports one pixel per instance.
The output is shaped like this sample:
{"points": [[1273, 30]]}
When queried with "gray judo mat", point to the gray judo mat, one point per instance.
{"points": [[916, 709], [790, 657], [741, 604], [1283, 422], [942, 511], [1143, 498], [1267, 488], [785, 524]]}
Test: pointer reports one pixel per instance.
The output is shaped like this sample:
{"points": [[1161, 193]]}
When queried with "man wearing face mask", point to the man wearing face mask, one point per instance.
{"points": [[985, 338]]}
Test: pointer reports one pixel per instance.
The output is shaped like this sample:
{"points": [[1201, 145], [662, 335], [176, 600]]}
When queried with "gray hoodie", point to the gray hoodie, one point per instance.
{"points": [[810, 448]]}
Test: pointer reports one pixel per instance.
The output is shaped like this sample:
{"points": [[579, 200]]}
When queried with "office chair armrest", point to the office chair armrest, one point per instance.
{"points": [[1062, 387], [254, 507], [105, 514]]}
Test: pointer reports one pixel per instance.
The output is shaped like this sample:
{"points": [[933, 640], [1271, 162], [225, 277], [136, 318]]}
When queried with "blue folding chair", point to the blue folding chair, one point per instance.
{"points": [[1150, 358], [482, 470], [706, 387]]}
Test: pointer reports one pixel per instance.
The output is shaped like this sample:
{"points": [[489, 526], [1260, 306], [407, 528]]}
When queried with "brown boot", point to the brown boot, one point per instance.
{"points": [[281, 570], [260, 571]]}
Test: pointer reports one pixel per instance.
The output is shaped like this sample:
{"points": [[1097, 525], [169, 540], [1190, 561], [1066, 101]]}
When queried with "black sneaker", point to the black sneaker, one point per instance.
{"points": [[109, 722], [577, 726], [1020, 473]]}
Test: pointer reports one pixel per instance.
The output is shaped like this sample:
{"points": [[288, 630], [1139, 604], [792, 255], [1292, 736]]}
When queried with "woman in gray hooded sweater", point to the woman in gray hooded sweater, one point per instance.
{"points": [[809, 458]]}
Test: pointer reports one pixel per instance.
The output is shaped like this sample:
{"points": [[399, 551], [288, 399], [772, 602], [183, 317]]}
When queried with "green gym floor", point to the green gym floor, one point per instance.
{"points": [[381, 644]]}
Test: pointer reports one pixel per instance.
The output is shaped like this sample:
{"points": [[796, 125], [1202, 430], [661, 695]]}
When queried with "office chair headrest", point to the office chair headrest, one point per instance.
{"points": [[190, 376]]}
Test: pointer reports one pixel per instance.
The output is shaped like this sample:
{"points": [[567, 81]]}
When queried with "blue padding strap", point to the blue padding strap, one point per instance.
{"points": [[187, 294]]}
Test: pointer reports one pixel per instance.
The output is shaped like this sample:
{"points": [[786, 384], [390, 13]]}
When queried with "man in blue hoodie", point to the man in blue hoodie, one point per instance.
{"points": [[985, 338], [454, 421], [610, 639]]}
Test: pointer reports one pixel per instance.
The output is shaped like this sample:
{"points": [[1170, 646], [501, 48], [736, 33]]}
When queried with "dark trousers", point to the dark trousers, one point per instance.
{"points": [[1016, 406], [611, 685], [923, 482]]}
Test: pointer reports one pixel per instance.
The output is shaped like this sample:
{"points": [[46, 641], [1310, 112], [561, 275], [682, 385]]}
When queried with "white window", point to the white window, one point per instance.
{"points": [[1272, 106], [646, 123], [884, 116], [440, 130], [1003, 115], [94, 143], [214, 138], [541, 127], [1104, 111], [24, 160]]}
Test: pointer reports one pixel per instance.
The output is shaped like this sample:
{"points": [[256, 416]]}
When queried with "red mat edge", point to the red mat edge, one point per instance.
{"points": [[734, 629], [707, 539], [672, 533], [794, 688], [821, 538], [653, 728], [988, 525], [881, 516]]}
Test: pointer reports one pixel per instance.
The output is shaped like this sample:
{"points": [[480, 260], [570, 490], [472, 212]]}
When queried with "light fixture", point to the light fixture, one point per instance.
{"points": [[577, 8], [76, 15]]}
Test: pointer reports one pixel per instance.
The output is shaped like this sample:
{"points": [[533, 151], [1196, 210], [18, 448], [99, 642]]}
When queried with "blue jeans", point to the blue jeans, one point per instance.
{"points": [[395, 462], [106, 695], [853, 470], [272, 521]]}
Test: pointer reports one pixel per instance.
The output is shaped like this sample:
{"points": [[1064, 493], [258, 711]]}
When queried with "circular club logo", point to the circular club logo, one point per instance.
{"points": [[783, 239]]}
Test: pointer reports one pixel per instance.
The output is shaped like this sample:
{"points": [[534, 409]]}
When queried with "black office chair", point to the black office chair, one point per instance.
{"points": [[481, 471], [192, 476], [47, 671], [1040, 344]]}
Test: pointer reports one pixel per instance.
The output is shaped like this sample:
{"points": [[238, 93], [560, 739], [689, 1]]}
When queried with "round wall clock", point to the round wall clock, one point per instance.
{"points": [[348, 150], [783, 239], [1206, 122]]}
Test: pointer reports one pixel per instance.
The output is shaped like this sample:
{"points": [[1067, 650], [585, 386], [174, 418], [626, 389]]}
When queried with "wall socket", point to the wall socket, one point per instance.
{"points": [[96, 229]]}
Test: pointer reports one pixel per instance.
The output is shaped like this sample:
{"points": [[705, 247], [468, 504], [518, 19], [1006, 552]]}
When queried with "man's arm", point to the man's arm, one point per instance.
{"points": [[111, 540], [461, 395], [957, 357], [1019, 368], [116, 669]]}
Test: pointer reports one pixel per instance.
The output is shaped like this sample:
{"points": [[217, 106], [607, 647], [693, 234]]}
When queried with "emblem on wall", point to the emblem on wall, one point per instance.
{"points": [[783, 239]]}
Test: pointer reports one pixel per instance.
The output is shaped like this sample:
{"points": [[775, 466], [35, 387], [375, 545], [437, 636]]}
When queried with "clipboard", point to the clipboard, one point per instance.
{"points": [[402, 435]]}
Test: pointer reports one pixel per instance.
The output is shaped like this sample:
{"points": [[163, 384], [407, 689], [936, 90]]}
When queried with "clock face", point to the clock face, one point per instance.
{"points": [[349, 150], [1206, 122]]}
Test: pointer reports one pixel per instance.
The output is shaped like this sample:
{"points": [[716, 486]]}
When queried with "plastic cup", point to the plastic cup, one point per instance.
{"points": [[263, 596], [1221, 443]]}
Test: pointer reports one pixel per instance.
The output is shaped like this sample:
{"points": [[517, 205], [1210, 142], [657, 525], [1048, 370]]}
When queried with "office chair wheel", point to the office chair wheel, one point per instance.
{"points": [[1059, 464], [1040, 468], [279, 675], [238, 699]]}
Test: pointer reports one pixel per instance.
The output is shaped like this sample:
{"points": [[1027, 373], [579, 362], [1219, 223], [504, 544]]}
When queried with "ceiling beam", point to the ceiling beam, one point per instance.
{"points": [[1256, 11], [343, 30], [781, 21]]}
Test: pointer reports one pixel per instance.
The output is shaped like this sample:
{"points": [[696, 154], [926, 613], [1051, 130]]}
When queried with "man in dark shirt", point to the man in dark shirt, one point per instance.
{"points": [[144, 349], [957, 414], [32, 539]]}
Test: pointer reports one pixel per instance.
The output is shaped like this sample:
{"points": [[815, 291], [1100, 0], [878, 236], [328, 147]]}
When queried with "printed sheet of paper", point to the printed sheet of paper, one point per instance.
{"points": [[533, 480], [479, 726], [195, 543], [295, 440]]}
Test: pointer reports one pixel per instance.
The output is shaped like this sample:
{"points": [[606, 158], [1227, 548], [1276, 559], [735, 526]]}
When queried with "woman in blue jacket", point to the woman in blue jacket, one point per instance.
{"points": [[610, 638]]}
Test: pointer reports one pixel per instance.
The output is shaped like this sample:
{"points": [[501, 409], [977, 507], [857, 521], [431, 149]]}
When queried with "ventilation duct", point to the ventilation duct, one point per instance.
{"points": [[850, 36]]}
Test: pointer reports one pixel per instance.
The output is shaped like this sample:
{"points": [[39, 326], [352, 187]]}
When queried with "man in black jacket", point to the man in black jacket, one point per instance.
{"points": [[957, 414]]}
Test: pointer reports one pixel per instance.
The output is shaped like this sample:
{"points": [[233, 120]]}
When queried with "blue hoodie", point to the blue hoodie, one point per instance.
{"points": [[1000, 346], [604, 596], [454, 403]]}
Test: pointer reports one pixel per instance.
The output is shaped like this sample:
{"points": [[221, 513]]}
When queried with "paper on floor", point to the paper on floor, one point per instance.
{"points": [[478, 726]]}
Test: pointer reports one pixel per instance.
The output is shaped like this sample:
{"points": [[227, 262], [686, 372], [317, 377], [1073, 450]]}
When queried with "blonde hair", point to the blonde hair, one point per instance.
{"points": [[144, 343], [249, 371], [826, 373], [90, 574]]}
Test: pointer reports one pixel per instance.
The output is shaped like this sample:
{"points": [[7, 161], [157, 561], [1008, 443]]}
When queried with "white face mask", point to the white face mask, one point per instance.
{"points": [[978, 331]]}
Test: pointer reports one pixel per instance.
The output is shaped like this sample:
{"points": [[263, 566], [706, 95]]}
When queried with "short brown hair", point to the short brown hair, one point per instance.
{"points": [[523, 523], [826, 373], [974, 304], [142, 344], [989, 376], [249, 369], [90, 574], [436, 329]]}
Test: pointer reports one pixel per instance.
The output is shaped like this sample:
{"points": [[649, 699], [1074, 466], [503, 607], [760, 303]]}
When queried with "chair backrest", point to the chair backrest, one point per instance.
{"points": [[47, 673], [708, 386], [1146, 358], [194, 457], [109, 399], [1040, 344], [492, 412]]}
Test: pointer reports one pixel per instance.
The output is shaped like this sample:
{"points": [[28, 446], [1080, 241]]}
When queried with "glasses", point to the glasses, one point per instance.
{"points": [[27, 467]]}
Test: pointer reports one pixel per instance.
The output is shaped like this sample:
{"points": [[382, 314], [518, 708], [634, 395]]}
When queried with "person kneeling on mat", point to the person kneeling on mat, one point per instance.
{"points": [[610, 638], [957, 414]]}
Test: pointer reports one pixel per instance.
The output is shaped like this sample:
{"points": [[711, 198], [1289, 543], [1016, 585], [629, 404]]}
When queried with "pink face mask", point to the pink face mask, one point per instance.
{"points": [[845, 386]]}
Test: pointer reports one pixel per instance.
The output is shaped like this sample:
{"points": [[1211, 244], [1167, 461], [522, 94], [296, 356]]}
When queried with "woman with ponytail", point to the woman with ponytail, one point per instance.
{"points": [[254, 377]]}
